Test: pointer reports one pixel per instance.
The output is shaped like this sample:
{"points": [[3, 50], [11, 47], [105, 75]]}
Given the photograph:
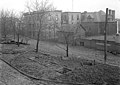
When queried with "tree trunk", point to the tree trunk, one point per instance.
{"points": [[14, 36], [14, 33], [18, 40], [54, 34], [54, 31], [67, 50], [5, 31], [49, 32], [37, 45]]}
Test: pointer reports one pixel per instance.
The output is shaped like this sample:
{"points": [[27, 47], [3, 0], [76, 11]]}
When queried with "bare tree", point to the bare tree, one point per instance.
{"points": [[41, 8], [12, 23], [54, 25], [17, 31], [7, 23], [66, 37], [19, 28], [68, 34], [4, 15]]}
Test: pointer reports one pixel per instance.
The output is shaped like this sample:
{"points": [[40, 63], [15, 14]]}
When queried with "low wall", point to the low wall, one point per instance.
{"points": [[99, 45]]}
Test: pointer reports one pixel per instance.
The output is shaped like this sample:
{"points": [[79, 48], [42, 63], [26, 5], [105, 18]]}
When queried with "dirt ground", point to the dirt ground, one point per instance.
{"points": [[8, 75], [50, 64], [77, 51]]}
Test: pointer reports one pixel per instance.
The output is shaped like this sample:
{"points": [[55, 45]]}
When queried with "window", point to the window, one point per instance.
{"points": [[78, 22], [77, 17], [29, 18], [72, 17], [81, 43], [56, 18], [49, 17]]}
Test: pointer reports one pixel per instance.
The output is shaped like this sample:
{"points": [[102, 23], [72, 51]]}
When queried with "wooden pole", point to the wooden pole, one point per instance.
{"points": [[105, 37]]}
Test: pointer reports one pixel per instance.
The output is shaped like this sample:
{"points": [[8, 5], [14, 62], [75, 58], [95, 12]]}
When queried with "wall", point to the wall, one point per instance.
{"points": [[63, 36], [97, 28], [51, 20], [99, 45], [92, 28], [67, 17], [74, 20], [111, 28]]}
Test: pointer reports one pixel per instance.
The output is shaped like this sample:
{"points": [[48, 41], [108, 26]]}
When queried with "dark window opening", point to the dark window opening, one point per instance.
{"points": [[81, 43], [77, 17], [72, 17]]}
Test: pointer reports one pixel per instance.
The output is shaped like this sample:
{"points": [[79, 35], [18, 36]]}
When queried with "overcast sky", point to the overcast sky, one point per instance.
{"points": [[66, 5]]}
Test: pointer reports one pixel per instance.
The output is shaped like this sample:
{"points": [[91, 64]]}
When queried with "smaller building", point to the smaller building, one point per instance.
{"points": [[71, 26], [94, 23], [97, 28], [97, 16]]}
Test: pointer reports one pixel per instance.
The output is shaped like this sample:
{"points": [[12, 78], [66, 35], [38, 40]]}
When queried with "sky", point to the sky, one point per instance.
{"points": [[66, 5]]}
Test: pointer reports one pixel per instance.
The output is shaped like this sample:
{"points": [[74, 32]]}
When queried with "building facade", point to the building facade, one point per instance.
{"points": [[94, 23], [97, 28], [71, 25], [71, 17], [51, 21]]}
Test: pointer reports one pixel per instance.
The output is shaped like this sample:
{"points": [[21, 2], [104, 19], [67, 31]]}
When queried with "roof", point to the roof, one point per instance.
{"points": [[96, 16], [34, 12], [71, 12]]}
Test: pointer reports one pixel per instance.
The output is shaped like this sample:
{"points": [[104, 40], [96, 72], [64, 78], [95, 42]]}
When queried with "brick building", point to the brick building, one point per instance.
{"points": [[71, 25], [71, 22], [50, 23], [94, 23], [80, 24], [71, 17], [97, 28]]}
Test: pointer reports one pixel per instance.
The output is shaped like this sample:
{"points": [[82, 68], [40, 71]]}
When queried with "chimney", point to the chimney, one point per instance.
{"points": [[110, 12], [113, 14]]}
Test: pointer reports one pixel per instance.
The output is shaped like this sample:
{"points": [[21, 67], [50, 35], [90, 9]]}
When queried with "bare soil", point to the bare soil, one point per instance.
{"points": [[57, 68]]}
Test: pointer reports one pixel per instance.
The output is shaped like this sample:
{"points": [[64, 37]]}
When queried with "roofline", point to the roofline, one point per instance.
{"points": [[92, 12], [98, 22], [34, 12], [71, 12]]}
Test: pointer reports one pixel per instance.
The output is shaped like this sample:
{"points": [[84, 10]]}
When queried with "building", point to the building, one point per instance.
{"points": [[97, 16], [51, 21], [73, 32], [94, 23], [71, 24], [71, 17], [81, 24], [97, 28], [93, 16]]}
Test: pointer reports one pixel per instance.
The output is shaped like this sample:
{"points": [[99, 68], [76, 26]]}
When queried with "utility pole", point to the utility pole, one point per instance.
{"points": [[117, 27], [105, 37]]}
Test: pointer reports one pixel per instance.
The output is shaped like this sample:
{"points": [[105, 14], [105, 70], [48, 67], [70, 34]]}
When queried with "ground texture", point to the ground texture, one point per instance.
{"points": [[50, 64]]}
